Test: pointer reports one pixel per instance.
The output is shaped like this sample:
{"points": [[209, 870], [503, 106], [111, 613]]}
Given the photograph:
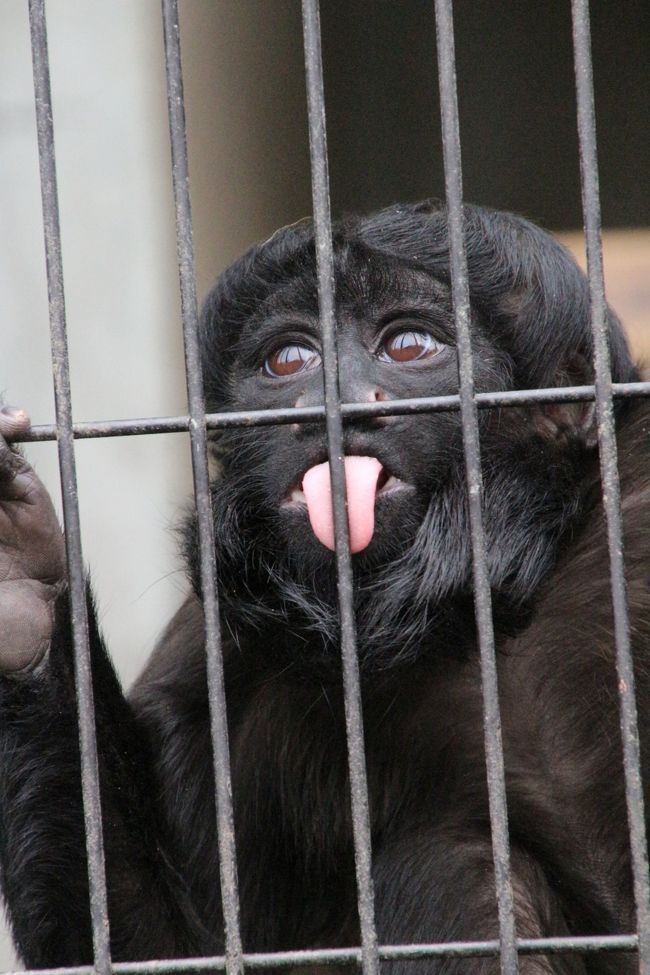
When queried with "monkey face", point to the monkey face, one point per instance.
{"points": [[395, 340]]}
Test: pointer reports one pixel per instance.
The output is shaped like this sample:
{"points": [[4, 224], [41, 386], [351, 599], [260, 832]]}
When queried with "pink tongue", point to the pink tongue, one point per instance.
{"points": [[361, 475]]}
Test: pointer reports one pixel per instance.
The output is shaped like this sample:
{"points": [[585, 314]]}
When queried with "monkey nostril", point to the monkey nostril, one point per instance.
{"points": [[379, 396], [295, 427]]}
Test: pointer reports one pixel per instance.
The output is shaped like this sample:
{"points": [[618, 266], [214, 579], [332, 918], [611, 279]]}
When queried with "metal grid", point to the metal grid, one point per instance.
{"points": [[508, 946]]}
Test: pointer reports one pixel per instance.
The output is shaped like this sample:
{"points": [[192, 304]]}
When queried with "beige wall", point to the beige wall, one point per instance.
{"points": [[626, 264]]}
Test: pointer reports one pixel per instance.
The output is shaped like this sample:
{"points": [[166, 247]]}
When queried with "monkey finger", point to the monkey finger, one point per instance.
{"points": [[16, 475], [13, 422]]}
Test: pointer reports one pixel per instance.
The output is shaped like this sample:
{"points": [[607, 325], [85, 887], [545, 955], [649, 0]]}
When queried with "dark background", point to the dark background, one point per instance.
{"points": [[517, 106], [247, 121]]}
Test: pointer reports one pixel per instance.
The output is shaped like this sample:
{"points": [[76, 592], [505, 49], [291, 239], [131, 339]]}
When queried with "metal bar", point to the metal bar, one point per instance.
{"points": [[352, 956], [349, 411], [198, 440], [609, 474], [76, 580], [351, 679], [469, 419]]}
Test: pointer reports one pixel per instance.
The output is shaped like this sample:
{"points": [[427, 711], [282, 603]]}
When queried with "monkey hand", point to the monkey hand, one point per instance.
{"points": [[32, 555]]}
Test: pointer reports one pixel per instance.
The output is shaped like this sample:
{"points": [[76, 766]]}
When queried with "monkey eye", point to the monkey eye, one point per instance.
{"points": [[289, 360], [409, 346]]}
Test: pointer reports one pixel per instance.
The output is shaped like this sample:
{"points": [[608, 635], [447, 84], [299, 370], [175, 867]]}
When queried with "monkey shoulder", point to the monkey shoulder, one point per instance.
{"points": [[170, 697], [569, 642], [577, 594], [633, 443], [177, 659]]}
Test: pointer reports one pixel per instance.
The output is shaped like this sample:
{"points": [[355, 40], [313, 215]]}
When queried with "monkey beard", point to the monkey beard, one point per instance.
{"points": [[412, 589]]}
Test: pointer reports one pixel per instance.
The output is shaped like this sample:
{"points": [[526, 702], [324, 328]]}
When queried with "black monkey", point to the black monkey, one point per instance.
{"points": [[547, 556]]}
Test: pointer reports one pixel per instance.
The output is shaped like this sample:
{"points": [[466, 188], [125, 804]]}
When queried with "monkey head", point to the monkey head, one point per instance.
{"points": [[407, 500]]}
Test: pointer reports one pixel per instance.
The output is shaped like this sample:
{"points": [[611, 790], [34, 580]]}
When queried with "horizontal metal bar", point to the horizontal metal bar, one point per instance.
{"points": [[92, 429], [352, 956]]}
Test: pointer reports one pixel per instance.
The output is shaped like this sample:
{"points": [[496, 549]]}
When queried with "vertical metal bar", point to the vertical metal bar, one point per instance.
{"points": [[609, 473], [351, 680], [198, 439], [76, 580], [469, 418]]}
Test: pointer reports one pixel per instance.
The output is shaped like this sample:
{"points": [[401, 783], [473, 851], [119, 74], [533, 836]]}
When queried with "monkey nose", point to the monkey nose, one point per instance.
{"points": [[353, 396], [379, 396], [303, 400]]}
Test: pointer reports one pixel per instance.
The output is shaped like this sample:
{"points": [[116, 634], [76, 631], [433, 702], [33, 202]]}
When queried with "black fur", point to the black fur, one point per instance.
{"points": [[417, 648]]}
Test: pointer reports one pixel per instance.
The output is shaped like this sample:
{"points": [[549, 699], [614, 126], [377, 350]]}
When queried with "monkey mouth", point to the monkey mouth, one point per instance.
{"points": [[386, 484], [366, 482]]}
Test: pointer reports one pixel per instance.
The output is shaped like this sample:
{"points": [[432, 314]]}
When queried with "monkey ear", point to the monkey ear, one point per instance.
{"points": [[564, 422]]}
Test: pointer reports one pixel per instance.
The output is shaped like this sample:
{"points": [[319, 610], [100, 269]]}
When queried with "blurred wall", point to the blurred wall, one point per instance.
{"points": [[122, 300], [121, 277]]}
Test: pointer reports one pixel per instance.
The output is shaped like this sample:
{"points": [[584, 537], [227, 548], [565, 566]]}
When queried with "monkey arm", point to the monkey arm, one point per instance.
{"points": [[437, 885], [42, 842]]}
